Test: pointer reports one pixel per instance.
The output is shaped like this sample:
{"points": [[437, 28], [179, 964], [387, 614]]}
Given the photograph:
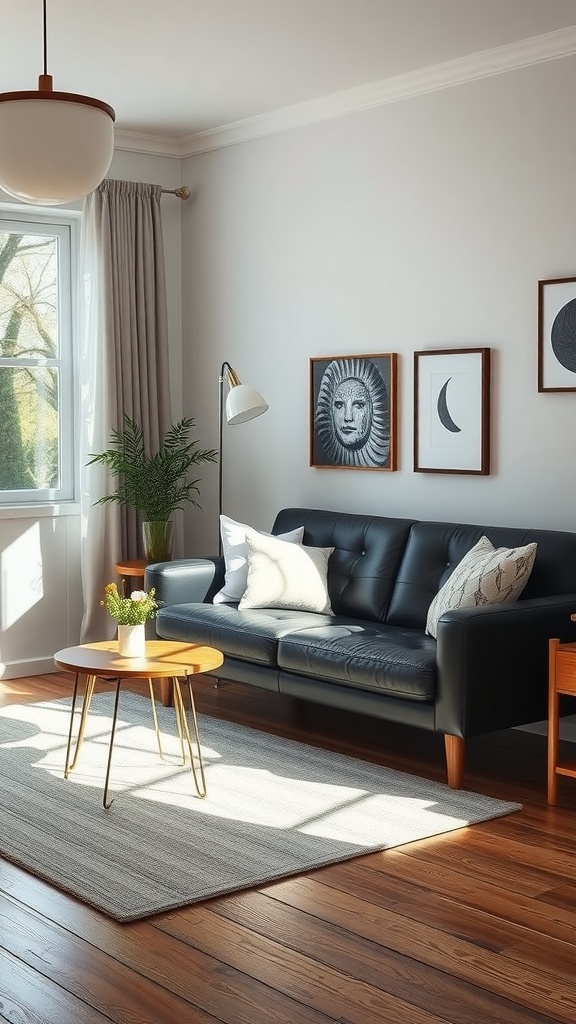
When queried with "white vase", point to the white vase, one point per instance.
{"points": [[132, 641]]}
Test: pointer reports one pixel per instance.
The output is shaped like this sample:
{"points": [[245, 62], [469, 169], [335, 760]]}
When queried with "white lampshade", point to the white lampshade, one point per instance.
{"points": [[244, 403], [54, 147]]}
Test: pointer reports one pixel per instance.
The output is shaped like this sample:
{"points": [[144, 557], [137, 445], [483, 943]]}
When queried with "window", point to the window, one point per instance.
{"points": [[36, 357]]}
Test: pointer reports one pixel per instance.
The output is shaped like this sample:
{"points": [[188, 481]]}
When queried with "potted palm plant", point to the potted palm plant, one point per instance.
{"points": [[154, 484]]}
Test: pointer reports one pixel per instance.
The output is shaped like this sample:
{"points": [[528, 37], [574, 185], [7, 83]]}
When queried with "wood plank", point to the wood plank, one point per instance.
{"points": [[516, 941], [383, 948], [541, 953], [476, 849], [484, 864], [28, 997], [157, 966], [302, 977], [478, 894], [411, 902], [563, 896], [89, 974]]}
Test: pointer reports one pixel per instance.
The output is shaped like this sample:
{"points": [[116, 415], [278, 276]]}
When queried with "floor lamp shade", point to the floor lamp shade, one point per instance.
{"points": [[242, 404]]}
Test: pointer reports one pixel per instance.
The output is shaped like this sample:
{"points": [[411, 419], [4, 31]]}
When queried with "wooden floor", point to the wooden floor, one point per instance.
{"points": [[477, 926]]}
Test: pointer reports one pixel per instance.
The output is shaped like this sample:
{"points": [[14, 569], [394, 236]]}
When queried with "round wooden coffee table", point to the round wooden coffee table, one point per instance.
{"points": [[165, 659]]}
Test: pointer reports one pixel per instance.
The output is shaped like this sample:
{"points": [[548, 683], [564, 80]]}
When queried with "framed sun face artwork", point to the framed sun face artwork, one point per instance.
{"points": [[452, 411], [557, 334], [353, 412]]}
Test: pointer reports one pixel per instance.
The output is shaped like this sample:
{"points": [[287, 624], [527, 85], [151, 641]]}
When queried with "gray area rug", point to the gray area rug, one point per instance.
{"points": [[274, 807]]}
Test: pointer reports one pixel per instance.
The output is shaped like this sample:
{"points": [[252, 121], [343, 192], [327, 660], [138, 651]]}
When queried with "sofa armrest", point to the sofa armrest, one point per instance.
{"points": [[493, 663], [185, 580]]}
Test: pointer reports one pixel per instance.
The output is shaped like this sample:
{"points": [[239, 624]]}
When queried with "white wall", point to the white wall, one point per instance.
{"points": [[40, 588], [422, 224]]}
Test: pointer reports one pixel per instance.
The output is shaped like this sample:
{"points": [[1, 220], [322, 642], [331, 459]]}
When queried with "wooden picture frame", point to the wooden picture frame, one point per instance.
{"points": [[557, 334], [353, 411], [452, 411]]}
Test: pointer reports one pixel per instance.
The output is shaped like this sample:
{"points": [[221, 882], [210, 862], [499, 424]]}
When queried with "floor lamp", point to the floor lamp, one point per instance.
{"points": [[242, 404]]}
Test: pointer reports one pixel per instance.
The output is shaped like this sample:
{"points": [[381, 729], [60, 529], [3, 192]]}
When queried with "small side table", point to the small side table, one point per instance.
{"points": [[164, 658], [561, 680], [133, 569]]}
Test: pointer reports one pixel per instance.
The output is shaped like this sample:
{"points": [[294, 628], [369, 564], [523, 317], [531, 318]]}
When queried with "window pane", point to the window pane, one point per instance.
{"points": [[29, 443], [38, 262], [28, 295]]}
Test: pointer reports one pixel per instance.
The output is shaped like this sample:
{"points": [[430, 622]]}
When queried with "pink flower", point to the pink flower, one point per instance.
{"points": [[138, 595]]}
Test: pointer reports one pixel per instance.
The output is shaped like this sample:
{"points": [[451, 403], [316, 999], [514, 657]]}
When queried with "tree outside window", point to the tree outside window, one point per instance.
{"points": [[36, 398]]}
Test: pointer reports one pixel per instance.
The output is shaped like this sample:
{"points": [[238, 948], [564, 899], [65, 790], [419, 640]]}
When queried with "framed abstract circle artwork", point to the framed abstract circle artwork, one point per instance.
{"points": [[557, 334]]}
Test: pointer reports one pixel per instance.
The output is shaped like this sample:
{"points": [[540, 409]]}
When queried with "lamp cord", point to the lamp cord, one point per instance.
{"points": [[44, 34]]}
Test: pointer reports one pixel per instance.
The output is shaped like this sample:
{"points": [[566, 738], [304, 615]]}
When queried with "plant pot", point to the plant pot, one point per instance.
{"points": [[157, 539], [132, 641]]}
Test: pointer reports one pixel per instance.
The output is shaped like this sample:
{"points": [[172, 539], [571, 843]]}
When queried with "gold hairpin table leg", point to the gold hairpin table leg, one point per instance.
{"points": [[105, 802], [178, 713], [155, 717], [90, 684], [184, 730]]}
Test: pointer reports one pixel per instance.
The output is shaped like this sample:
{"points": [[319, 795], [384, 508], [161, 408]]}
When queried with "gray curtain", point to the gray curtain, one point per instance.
{"points": [[124, 367]]}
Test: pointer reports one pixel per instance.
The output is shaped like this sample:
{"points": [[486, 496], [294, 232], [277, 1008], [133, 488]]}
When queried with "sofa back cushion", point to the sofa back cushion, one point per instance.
{"points": [[368, 551], [389, 570], [433, 551]]}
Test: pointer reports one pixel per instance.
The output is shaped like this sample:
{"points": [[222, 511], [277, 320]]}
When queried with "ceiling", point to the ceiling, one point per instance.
{"points": [[179, 67]]}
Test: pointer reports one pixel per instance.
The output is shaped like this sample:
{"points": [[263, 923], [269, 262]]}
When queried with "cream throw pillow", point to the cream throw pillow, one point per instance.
{"points": [[284, 575], [235, 552], [486, 575]]}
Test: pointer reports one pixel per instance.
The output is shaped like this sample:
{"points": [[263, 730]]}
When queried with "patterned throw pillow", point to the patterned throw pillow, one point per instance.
{"points": [[486, 575], [284, 575]]}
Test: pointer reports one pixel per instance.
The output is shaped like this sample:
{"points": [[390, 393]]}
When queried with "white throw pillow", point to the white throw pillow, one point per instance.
{"points": [[284, 575], [486, 575], [235, 552]]}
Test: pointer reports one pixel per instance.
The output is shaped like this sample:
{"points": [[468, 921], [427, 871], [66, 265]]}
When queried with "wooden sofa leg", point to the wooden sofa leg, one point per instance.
{"points": [[455, 748]]}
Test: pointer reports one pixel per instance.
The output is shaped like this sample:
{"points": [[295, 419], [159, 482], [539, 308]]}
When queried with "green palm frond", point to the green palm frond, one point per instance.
{"points": [[156, 484]]}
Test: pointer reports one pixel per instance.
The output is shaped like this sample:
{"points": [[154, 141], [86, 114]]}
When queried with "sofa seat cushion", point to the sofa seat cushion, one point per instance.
{"points": [[251, 635], [389, 659]]}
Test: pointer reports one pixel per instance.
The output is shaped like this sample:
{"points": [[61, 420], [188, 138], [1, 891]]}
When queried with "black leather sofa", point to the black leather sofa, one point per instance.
{"points": [[486, 671]]}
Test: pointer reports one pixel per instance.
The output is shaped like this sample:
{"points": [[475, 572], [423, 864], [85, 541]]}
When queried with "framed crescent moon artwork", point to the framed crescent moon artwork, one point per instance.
{"points": [[557, 334], [452, 411]]}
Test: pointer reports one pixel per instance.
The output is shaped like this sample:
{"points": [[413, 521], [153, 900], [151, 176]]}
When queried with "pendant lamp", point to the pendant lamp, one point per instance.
{"points": [[55, 147]]}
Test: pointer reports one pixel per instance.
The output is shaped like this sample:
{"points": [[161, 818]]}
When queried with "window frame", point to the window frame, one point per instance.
{"points": [[65, 225]]}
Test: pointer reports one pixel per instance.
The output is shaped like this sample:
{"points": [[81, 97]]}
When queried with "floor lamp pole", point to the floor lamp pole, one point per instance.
{"points": [[243, 403], [220, 438]]}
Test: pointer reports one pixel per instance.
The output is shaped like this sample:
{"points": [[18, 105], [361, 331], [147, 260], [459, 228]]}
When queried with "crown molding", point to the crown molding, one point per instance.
{"points": [[485, 64], [149, 145]]}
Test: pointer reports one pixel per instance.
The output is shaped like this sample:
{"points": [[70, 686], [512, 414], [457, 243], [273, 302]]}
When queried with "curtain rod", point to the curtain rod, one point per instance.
{"points": [[183, 192]]}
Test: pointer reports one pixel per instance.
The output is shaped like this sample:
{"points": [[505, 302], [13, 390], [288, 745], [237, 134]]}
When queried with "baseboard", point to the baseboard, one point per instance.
{"points": [[36, 667]]}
